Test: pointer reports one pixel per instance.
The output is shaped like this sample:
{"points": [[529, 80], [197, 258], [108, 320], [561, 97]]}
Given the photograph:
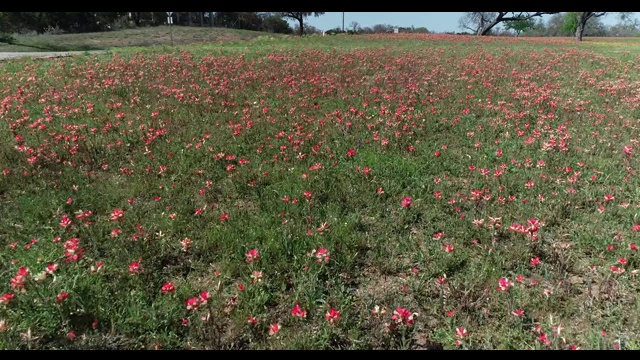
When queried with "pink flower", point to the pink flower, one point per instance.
{"points": [[6, 298], [62, 297], [461, 332], [17, 282], [167, 288], [332, 315], [203, 297], [351, 153], [192, 303], [51, 268], [298, 312], [403, 316], [65, 221], [322, 254], [406, 202], [504, 284], [134, 267], [535, 261], [252, 255], [274, 328], [116, 214]]}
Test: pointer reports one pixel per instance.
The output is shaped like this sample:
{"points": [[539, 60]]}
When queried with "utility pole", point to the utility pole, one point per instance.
{"points": [[343, 21]]}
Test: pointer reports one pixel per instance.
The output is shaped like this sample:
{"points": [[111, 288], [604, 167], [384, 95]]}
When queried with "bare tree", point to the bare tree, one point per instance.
{"points": [[354, 26], [482, 22], [582, 18], [300, 16]]}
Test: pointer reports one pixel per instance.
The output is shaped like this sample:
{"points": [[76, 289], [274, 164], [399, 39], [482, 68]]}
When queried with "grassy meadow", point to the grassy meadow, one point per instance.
{"points": [[343, 192]]}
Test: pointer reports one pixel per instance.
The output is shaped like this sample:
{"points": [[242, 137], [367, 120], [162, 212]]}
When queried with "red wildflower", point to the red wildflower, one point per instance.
{"points": [[192, 303], [406, 202], [274, 328], [252, 255], [461, 332], [544, 339], [167, 288], [116, 214], [332, 315], [635, 228], [62, 297], [134, 267], [17, 282], [65, 221], [51, 268], [504, 284], [6, 298], [322, 254], [298, 312], [617, 270], [403, 316], [204, 297], [308, 194], [535, 261], [351, 153]]}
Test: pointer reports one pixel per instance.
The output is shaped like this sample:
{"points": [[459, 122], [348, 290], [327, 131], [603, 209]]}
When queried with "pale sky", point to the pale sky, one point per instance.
{"points": [[434, 21]]}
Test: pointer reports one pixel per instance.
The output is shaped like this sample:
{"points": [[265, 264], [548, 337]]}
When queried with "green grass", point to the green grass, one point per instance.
{"points": [[294, 146]]}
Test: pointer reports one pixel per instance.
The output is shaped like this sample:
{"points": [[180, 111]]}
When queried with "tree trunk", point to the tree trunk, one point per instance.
{"points": [[301, 24], [582, 21], [211, 19], [177, 18], [136, 18], [485, 27], [201, 19], [189, 19], [579, 32]]}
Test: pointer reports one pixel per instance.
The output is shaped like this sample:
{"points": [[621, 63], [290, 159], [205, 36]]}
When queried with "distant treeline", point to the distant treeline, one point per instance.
{"points": [[78, 22]]}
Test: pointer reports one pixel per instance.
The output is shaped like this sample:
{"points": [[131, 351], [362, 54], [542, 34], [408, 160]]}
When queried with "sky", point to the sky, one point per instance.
{"points": [[434, 21]]}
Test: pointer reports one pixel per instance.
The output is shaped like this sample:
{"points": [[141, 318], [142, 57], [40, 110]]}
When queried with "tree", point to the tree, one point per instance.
{"points": [[276, 24], [555, 24], [577, 21], [520, 25], [481, 23], [354, 26], [626, 26], [300, 16]]}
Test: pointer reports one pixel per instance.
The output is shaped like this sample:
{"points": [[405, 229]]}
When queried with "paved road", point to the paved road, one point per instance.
{"points": [[14, 55]]}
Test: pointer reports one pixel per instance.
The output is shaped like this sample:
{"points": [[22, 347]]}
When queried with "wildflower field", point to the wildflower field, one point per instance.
{"points": [[346, 192]]}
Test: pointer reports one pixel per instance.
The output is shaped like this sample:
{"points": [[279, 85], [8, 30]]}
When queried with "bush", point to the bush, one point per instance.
{"points": [[7, 38]]}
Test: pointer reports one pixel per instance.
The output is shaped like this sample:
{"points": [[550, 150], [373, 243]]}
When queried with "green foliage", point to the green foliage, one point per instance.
{"points": [[7, 38], [520, 25], [570, 23]]}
